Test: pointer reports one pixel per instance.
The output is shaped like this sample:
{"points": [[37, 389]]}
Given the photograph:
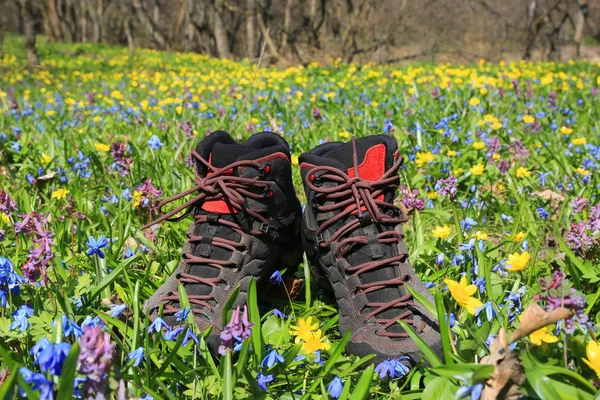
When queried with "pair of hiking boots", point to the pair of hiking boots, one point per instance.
{"points": [[248, 223]]}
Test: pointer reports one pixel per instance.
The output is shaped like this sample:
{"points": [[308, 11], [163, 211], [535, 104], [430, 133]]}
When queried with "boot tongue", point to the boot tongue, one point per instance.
{"points": [[371, 160]]}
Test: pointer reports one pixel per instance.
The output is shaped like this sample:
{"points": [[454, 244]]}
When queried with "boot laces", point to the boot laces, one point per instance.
{"points": [[218, 184], [357, 203]]}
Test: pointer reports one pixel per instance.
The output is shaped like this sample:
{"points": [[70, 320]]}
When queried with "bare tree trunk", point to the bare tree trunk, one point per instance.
{"points": [[148, 25], [579, 25], [29, 27], [128, 34], [83, 20], [219, 30], [287, 22], [155, 12], [93, 11], [100, 14], [250, 29], [53, 21]]}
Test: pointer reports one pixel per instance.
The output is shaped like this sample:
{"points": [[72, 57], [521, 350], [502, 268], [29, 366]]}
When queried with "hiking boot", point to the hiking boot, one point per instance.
{"points": [[246, 225], [354, 241]]}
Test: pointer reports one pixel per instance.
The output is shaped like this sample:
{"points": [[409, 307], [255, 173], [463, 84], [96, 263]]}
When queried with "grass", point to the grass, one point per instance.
{"points": [[521, 139]]}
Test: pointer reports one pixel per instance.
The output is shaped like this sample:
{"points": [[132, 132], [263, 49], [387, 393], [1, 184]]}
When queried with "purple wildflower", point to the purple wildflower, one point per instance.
{"points": [[35, 225], [409, 199], [552, 296], [579, 204], [150, 195], [122, 161], [7, 204], [447, 187], [317, 113], [494, 145], [94, 360], [237, 328]]}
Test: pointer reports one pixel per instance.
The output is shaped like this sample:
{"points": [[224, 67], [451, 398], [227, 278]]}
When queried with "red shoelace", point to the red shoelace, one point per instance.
{"points": [[353, 195], [218, 184]]}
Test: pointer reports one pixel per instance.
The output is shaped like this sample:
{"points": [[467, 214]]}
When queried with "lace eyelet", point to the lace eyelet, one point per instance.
{"points": [[267, 168], [270, 194]]}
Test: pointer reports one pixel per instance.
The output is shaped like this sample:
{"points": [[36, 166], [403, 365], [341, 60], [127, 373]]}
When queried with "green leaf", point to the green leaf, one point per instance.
{"points": [[464, 372], [361, 391], [425, 349], [444, 328], [254, 316], [229, 304], [439, 388], [67, 378], [227, 377], [430, 307]]}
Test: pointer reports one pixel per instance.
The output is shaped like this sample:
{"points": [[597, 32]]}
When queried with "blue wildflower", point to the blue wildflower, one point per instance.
{"points": [[189, 335], [276, 278], [262, 380], [21, 316], [467, 223], [490, 312], [50, 356], [117, 309], [154, 143], [182, 315], [172, 334], [95, 246], [70, 327], [271, 359], [439, 260], [279, 314], [473, 392], [335, 387], [37, 382], [157, 325], [136, 356]]}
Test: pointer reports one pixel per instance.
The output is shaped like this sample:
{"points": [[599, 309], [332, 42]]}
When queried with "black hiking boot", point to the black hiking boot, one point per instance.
{"points": [[353, 238], [246, 225]]}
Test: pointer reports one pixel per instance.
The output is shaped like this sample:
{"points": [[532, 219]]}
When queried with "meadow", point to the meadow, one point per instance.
{"points": [[500, 178]]}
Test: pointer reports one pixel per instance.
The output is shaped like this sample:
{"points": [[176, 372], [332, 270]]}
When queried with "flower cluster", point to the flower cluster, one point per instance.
{"points": [[238, 328], [35, 225]]}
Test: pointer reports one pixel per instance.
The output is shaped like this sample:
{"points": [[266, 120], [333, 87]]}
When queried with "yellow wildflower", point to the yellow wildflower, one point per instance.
{"points": [[462, 293], [136, 198], [451, 153], [441, 232], [46, 158], [60, 194], [345, 135], [523, 172], [4, 218], [519, 236], [528, 119], [101, 147], [566, 130], [480, 235], [294, 159], [474, 101], [592, 351], [432, 195], [478, 145], [496, 125], [304, 329], [583, 171], [543, 335], [517, 262], [424, 158], [579, 141], [314, 342], [477, 169], [496, 156]]}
